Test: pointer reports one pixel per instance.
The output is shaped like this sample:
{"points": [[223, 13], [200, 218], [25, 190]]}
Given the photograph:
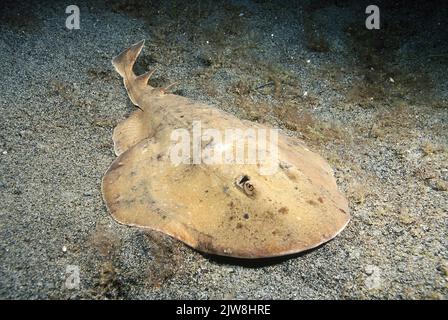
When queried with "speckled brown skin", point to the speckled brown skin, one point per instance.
{"points": [[297, 208]]}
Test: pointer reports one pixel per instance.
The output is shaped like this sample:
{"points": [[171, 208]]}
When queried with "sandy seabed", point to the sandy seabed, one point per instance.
{"points": [[373, 103]]}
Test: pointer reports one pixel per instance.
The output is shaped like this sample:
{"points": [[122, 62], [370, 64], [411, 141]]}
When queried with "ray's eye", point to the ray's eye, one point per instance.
{"points": [[244, 183], [249, 188]]}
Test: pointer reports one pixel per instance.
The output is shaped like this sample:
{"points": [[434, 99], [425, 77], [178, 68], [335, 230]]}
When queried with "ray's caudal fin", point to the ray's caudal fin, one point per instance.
{"points": [[124, 64]]}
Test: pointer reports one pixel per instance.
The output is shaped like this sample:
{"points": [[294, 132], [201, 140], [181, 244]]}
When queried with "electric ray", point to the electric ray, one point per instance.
{"points": [[220, 184]]}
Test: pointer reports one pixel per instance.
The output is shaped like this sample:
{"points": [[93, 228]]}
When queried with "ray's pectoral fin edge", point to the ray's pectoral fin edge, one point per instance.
{"points": [[129, 132]]}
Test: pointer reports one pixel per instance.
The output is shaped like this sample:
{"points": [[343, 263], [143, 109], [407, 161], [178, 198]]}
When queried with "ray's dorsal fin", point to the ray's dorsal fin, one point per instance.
{"points": [[129, 132], [143, 79], [165, 90]]}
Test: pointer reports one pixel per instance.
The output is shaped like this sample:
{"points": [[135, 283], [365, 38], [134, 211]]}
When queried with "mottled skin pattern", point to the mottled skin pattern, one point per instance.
{"points": [[296, 209]]}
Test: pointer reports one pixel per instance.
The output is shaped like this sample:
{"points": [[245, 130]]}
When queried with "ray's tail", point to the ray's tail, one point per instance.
{"points": [[124, 64], [135, 85]]}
